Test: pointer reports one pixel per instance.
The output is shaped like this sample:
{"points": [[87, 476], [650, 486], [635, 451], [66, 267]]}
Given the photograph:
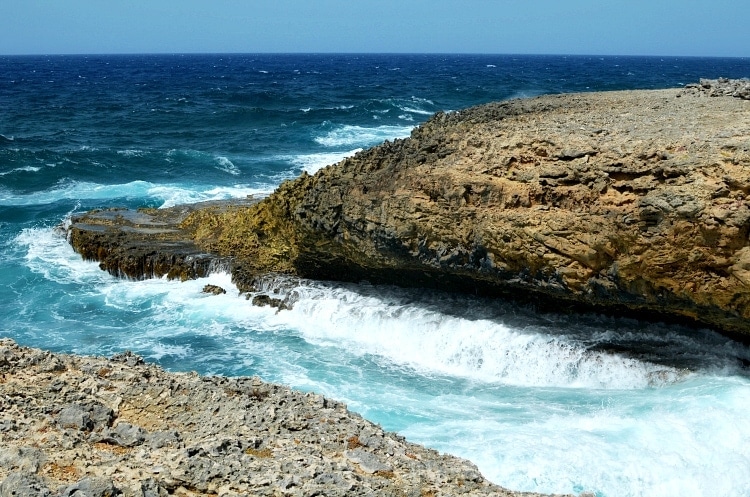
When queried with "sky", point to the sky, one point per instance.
{"points": [[590, 27]]}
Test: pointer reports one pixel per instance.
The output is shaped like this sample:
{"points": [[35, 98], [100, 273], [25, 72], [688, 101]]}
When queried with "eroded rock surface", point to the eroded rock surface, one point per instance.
{"points": [[633, 202], [147, 243], [73, 426]]}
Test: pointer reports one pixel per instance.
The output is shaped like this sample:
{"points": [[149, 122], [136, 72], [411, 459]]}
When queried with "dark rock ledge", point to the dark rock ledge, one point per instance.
{"points": [[85, 426], [631, 202], [147, 243]]}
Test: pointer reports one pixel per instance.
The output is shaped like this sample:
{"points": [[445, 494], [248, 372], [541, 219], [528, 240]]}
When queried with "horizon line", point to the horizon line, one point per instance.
{"points": [[506, 54]]}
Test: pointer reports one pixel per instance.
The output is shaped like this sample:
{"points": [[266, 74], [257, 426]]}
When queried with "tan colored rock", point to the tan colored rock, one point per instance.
{"points": [[632, 201]]}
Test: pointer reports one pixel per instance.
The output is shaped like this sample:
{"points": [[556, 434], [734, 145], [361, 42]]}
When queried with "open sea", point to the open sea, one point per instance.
{"points": [[540, 402]]}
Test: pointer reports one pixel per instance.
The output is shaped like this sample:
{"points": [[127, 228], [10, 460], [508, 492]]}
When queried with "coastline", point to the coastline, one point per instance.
{"points": [[120, 426], [651, 216], [628, 203]]}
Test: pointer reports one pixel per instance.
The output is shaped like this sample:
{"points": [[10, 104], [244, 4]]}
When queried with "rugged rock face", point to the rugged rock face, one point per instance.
{"points": [[73, 426], [146, 243], [634, 201], [628, 201]]}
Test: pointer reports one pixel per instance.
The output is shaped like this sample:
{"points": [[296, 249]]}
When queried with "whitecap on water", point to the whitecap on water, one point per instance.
{"points": [[177, 195], [131, 153], [311, 163], [72, 190], [168, 195], [226, 165], [412, 110], [24, 169], [350, 135]]}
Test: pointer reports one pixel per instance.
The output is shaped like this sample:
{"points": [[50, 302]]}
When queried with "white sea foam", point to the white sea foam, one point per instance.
{"points": [[226, 165], [684, 440], [422, 100], [49, 254], [526, 94], [688, 443], [169, 195], [416, 106], [455, 381], [432, 342], [362, 136], [311, 163], [605, 422], [413, 110], [79, 190], [24, 169], [131, 152], [175, 195]]}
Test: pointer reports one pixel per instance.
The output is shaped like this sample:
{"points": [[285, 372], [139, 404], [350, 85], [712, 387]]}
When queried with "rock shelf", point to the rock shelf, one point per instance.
{"points": [[84, 426]]}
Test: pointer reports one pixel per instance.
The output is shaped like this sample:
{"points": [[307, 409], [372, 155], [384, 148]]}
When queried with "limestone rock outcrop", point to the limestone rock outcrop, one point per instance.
{"points": [[146, 243], [633, 202], [73, 426]]}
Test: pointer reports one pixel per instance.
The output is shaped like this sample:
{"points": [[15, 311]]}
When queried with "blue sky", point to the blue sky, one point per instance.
{"points": [[604, 27]]}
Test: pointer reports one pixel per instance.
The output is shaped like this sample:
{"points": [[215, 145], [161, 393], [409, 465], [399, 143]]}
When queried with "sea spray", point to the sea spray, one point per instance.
{"points": [[346, 136]]}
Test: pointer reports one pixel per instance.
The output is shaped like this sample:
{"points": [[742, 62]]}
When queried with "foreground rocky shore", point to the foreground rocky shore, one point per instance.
{"points": [[628, 202], [96, 427]]}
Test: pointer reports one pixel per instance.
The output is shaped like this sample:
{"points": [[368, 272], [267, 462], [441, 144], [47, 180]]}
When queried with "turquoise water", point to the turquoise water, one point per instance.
{"points": [[542, 402]]}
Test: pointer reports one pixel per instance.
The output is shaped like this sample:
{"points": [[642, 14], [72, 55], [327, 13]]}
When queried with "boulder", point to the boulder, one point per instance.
{"points": [[213, 290], [23, 484]]}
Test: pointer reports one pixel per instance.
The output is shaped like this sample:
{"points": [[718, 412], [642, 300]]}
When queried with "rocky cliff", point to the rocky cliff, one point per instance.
{"points": [[631, 202]]}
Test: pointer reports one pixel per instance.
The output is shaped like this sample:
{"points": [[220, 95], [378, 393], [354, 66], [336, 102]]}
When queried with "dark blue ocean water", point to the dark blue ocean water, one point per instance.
{"points": [[540, 402]]}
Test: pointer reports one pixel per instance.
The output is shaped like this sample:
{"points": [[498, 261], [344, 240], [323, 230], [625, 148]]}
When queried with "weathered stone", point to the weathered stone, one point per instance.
{"points": [[26, 459], [145, 243], [626, 202], [161, 439], [23, 484], [75, 417], [92, 487], [85, 417], [183, 434], [124, 435], [264, 300], [367, 461], [739, 88], [128, 358], [213, 290], [151, 488]]}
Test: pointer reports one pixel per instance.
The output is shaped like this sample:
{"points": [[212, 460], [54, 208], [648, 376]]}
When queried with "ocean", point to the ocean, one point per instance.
{"points": [[540, 402]]}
